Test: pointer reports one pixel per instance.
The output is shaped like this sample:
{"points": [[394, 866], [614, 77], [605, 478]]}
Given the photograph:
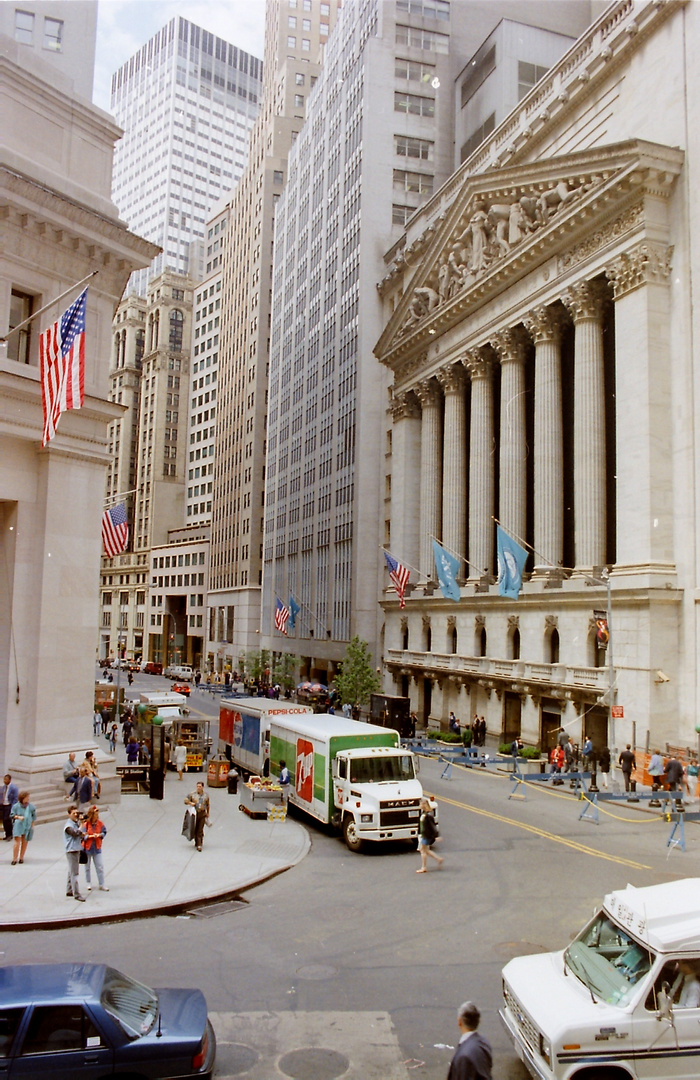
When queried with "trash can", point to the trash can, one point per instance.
{"points": [[217, 771], [232, 782]]}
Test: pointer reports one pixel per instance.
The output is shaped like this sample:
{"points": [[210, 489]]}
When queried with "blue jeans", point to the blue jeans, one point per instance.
{"points": [[95, 856]]}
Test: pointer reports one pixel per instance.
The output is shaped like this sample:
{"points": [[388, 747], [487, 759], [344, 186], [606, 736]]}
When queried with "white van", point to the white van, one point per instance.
{"points": [[622, 1001], [180, 672]]}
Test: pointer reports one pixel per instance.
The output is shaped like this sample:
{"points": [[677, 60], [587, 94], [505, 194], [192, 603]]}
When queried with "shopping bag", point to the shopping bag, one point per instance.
{"points": [[188, 824]]}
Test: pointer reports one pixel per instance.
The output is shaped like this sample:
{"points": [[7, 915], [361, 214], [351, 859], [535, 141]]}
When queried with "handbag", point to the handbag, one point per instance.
{"points": [[188, 825], [83, 857]]}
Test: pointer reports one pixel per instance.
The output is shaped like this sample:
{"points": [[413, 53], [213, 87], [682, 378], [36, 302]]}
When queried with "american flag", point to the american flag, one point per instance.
{"points": [[115, 530], [62, 357], [281, 616], [399, 575]]}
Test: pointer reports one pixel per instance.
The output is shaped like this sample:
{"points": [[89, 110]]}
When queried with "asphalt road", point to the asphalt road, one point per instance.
{"points": [[359, 962]]}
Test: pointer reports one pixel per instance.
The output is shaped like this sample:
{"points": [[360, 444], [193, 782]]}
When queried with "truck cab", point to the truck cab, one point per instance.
{"points": [[622, 1000], [376, 794]]}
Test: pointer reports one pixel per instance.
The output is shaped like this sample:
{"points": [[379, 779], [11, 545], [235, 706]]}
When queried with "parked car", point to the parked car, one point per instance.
{"points": [[92, 1021], [181, 688], [134, 665], [153, 667]]}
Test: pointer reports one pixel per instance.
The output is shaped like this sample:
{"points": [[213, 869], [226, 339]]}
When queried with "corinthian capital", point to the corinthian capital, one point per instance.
{"points": [[427, 392], [404, 406], [452, 378], [544, 324], [647, 263], [585, 300], [510, 345], [478, 363]]}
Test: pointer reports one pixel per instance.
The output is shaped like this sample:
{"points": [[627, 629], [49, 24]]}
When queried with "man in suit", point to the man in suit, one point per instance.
{"points": [[472, 1060], [9, 793]]}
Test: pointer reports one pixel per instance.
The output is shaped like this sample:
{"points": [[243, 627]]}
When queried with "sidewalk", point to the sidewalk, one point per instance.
{"points": [[149, 866]]}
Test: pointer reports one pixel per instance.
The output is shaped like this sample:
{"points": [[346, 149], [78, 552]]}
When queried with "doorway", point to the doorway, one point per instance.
{"points": [[512, 707]]}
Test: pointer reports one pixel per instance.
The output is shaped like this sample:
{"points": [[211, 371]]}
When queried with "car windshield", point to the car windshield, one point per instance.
{"points": [[608, 961], [132, 1005], [376, 770]]}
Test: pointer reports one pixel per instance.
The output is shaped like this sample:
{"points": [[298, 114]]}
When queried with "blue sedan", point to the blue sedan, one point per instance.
{"points": [[89, 1021]]}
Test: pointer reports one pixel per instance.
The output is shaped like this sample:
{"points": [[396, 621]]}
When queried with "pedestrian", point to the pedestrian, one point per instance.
{"points": [[94, 832], [482, 732], [9, 795], [96, 722], [93, 772], [628, 763], [73, 842], [84, 787], [694, 776], [130, 678], [674, 774], [23, 817], [428, 834], [70, 775], [200, 800], [587, 752], [557, 758], [453, 724], [515, 748], [197, 679], [473, 1057], [113, 735], [604, 765], [145, 753], [562, 738], [127, 727], [132, 750], [285, 781], [569, 756], [180, 758], [656, 769]]}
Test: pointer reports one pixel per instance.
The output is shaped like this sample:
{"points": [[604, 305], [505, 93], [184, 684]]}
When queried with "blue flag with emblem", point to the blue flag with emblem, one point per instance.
{"points": [[294, 610], [511, 563], [447, 567]]}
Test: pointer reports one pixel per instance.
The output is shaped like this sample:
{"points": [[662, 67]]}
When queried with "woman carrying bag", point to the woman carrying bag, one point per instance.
{"points": [[428, 834], [94, 831]]}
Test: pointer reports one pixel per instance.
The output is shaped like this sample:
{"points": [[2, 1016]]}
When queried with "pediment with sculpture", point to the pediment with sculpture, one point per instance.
{"points": [[503, 223]]}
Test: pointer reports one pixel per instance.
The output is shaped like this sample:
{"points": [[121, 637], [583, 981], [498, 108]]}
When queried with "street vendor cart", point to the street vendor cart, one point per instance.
{"points": [[256, 799]]}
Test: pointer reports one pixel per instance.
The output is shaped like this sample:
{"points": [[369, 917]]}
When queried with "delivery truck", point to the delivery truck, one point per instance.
{"points": [[244, 731], [622, 1000], [348, 774]]}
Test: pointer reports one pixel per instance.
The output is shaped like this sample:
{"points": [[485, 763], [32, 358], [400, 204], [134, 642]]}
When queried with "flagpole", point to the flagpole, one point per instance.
{"points": [[316, 619], [456, 554], [524, 543], [402, 561], [56, 300], [119, 495]]}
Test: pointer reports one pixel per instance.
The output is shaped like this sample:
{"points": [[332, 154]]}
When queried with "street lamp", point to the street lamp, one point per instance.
{"points": [[604, 579]]}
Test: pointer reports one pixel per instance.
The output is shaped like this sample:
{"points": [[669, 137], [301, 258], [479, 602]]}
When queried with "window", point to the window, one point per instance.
{"points": [[53, 34], [298, 101], [176, 324], [291, 42], [9, 1022], [305, 45], [413, 181], [413, 72], [299, 79], [422, 39], [414, 148], [59, 1027], [401, 214], [21, 307], [412, 103], [292, 22], [528, 75], [479, 70], [477, 137], [425, 9], [24, 27]]}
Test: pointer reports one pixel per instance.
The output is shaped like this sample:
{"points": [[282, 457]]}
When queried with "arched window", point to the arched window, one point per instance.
{"points": [[452, 639], [514, 644], [554, 646], [177, 320], [405, 638], [481, 641]]}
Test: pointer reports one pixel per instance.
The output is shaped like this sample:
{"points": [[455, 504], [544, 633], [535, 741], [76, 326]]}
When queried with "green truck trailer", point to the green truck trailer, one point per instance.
{"points": [[348, 774]]}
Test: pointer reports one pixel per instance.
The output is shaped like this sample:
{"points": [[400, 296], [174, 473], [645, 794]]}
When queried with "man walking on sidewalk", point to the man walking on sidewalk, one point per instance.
{"points": [[627, 763], [200, 800], [73, 840]]}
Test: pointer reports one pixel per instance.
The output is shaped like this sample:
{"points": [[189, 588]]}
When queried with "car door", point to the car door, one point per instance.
{"points": [[10, 1022], [61, 1042], [668, 1047]]}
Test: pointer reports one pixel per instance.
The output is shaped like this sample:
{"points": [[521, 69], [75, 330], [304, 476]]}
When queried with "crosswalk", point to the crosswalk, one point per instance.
{"points": [[307, 1046]]}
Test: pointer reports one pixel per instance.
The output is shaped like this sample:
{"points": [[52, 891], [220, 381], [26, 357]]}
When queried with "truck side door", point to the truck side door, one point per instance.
{"points": [[670, 1047]]}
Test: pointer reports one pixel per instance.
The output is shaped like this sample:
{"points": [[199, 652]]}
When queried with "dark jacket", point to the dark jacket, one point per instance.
{"points": [[428, 829], [674, 771], [627, 761], [472, 1060]]}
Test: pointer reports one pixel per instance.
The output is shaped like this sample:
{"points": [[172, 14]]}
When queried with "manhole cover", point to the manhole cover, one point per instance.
{"points": [[314, 1064], [316, 971], [210, 911], [232, 1059]]}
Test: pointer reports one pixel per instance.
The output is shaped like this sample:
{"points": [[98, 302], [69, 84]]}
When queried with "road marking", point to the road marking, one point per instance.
{"points": [[546, 835]]}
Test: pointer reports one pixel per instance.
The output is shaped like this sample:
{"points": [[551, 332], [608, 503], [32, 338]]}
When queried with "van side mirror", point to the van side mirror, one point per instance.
{"points": [[665, 1003]]}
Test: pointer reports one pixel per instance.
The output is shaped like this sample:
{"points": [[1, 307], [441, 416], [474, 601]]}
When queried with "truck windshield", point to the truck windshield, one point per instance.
{"points": [[608, 961], [377, 770]]}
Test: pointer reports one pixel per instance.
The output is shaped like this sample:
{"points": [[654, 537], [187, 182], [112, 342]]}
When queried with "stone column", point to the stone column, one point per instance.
{"points": [[454, 463], [584, 301], [544, 326], [428, 394], [509, 346], [481, 465], [405, 478]]}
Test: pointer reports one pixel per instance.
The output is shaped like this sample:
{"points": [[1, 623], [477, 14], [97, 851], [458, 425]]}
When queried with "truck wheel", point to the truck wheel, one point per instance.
{"points": [[352, 840]]}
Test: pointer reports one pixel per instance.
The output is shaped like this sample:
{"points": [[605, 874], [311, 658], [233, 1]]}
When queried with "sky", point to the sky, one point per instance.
{"points": [[123, 26]]}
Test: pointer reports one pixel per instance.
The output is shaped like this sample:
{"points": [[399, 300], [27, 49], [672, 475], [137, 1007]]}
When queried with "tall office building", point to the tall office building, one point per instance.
{"points": [[187, 101], [295, 36], [378, 141]]}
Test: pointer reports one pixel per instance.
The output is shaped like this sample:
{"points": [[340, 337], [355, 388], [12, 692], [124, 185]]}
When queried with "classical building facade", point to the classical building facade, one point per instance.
{"points": [[541, 338], [58, 225]]}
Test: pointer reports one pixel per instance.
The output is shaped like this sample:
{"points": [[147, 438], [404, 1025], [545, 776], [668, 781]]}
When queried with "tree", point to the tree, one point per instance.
{"points": [[257, 663], [284, 670], [357, 678]]}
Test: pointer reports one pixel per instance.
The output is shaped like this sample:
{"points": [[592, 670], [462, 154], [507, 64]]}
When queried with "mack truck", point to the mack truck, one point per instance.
{"points": [[351, 775], [244, 731]]}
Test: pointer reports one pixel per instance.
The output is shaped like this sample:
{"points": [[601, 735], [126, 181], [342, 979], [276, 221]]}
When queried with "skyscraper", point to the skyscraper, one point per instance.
{"points": [[295, 35], [378, 141], [187, 101]]}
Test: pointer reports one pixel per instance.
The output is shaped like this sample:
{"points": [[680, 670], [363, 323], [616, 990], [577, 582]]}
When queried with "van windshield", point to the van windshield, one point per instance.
{"points": [[608, 961], [377, 770]]}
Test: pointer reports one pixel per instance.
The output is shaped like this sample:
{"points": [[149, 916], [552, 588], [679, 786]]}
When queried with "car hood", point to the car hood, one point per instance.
{"points": [[557, 1003]]}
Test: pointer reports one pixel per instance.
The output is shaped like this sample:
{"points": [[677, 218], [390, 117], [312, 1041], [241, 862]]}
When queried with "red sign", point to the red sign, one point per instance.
{"points": [[304, 786], [618, 712]]}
